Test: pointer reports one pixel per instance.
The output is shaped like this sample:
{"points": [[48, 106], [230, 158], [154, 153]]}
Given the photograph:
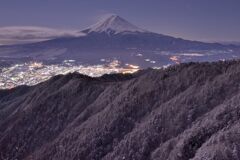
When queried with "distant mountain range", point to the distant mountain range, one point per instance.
{"points": [[189, 111], [230, 42], [116, 38]]}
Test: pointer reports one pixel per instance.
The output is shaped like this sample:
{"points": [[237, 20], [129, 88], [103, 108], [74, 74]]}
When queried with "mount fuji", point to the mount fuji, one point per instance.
{"points": [[116, 38], [113, 25]]}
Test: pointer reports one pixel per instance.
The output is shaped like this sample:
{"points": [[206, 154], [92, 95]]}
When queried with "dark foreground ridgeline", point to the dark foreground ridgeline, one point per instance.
{"points": [[189, 111]]}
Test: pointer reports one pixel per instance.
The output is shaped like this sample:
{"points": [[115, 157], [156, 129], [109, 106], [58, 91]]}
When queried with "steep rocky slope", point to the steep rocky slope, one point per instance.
{"points": [[189, 111]]}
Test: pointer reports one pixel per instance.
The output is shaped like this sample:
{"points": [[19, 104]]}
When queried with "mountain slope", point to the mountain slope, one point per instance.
{"points": [[116, 38], [189, 111]]}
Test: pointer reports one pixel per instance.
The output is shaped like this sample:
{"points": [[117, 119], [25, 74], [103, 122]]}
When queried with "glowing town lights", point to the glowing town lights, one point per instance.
{"points": [[139, 55], [35, 72], [131, 66], [35, 65], [175, 59]]}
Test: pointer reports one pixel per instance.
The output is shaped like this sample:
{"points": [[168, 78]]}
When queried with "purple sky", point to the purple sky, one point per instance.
{"points": [[191, 19]]}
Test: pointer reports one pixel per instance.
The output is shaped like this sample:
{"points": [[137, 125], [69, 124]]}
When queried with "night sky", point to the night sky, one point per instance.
{"points": [[208, 20]]}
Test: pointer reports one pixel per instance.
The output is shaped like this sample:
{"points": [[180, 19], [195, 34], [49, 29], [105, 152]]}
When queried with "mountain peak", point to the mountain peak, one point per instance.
{"points": [[112, 17], [113, 24]]}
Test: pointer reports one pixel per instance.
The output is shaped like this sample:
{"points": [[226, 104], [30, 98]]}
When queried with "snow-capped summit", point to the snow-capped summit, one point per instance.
{"points": [[113, 25]]}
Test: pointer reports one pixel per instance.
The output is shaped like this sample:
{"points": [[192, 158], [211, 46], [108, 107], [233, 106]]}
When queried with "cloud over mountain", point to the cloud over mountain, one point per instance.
{"points": [[29, 34]]}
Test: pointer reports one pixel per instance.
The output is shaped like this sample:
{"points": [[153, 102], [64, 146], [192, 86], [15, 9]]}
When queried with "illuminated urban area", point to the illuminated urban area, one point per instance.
{"points": [[34, 72]]}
